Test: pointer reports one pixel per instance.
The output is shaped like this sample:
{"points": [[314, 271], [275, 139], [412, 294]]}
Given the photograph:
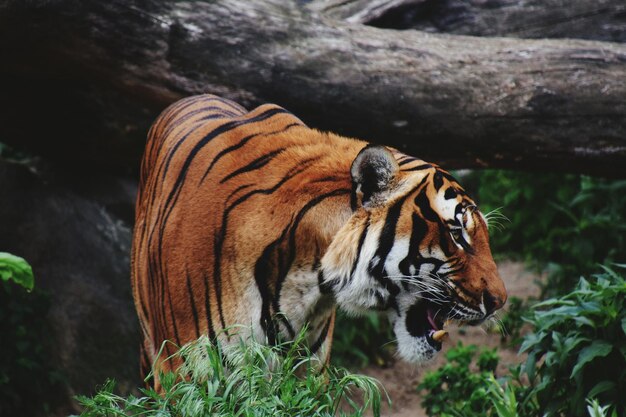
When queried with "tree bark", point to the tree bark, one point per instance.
{"points": [[363, 11], [603, 20], [462, 101]]}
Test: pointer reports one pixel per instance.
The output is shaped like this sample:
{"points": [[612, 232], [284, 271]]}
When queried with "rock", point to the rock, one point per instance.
{"points": [[79, 251]]}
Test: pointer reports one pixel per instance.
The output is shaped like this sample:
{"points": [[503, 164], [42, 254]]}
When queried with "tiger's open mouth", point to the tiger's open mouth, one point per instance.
{"points": [[426, 319]]}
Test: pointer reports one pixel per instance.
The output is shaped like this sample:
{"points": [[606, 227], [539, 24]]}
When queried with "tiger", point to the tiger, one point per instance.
{"points": [[251, 218]]}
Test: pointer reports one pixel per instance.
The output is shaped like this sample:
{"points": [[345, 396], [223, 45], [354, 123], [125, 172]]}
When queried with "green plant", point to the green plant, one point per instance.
{"points": [[359, 341], [596, 410], [29, 382], [459, 387], [17, 270], [578, 350], [245, 379], [570, 223], [503, 398]]}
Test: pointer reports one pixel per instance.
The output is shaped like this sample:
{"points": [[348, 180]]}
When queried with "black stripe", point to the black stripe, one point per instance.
{"points": [[207, 306], [173, 318], [360, 247], [276, 261], [418, 168], [429, 214], [235, 191], [418, 233], [154, 314], [438, 180], [242, 142], [185, 117], [291, 248], [167, 208], [235, 106], [226, 113], [353, 197], [317, 262], [258, 163], [177, 108], [423, 203], [214, 116], [448, 176], [325, 287], [450, 193], [328, 178], [221, 234], [385, 243], [406, 160], [467, 293], [163, 213], [226, 151], [322, 337], [268, 262], [194, 310], [161, 304], [206, 139]]}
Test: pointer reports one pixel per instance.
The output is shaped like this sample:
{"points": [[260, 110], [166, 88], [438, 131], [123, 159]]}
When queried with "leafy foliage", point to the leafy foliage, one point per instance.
{"points": [[576, 355], [571, 223], [245, 379], [578, 350], [458, 387], [25, 368], [596, 410], [16, 269]]}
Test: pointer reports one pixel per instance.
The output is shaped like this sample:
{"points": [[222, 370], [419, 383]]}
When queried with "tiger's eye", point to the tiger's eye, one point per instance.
{"points": [[456, 234]]}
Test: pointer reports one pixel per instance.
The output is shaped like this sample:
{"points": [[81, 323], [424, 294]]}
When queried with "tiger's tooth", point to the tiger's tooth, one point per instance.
{"points": [[447, 323], [439, 335]]}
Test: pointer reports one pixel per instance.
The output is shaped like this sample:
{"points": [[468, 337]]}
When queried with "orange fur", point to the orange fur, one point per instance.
{"points": [[235, 207]]}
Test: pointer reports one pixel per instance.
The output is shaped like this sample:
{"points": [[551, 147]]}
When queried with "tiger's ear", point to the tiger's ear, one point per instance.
{"points": [[373, 171]]}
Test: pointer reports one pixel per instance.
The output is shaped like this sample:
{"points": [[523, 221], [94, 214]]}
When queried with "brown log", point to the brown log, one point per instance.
{"points": [[463, 101]]}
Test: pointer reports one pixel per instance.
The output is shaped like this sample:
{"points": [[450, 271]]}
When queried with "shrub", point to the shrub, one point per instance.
{"points": [[458, 388], [576, 355], [578, 350], [245, 379], [29, 383]]}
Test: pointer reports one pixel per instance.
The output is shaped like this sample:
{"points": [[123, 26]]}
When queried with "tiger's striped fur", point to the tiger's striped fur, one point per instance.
{"points": [[252, 218]]}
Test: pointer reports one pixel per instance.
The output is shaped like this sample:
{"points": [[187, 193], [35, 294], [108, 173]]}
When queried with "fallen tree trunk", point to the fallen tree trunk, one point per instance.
{"points": [[602, 20], [467, 102]]}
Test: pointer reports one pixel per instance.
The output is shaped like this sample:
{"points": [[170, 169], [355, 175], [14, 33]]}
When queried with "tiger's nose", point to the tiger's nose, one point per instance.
{"points": [[492, 302]]}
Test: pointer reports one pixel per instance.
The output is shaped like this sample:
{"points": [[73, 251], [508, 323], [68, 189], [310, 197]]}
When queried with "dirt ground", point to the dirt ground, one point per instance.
{"points": [[400, 379]]}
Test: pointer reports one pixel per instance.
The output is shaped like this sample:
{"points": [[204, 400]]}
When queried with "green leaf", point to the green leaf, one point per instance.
{"points": [[585, 320], [624, 324], [16, 269], [600, 387], [597, 349]]}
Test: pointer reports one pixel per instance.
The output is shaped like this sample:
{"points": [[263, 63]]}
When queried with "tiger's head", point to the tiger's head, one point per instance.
{"points": [[417, 247]]}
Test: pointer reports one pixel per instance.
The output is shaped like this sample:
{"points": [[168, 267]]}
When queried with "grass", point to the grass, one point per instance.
{"points": [[245, 379]]}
